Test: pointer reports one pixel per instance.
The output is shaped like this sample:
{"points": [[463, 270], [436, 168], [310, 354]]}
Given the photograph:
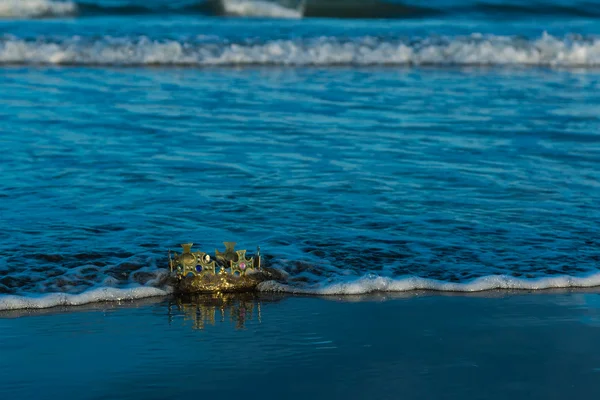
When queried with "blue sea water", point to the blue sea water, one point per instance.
{"points": [[478, 346], [365, 146]]}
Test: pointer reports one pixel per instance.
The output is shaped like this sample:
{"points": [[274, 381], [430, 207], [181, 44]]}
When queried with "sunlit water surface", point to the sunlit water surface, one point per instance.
{"points": [[438, 152]]}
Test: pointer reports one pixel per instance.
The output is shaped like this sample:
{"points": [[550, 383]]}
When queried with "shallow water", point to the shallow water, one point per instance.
{"points": [[361, 155], [420, 347]]}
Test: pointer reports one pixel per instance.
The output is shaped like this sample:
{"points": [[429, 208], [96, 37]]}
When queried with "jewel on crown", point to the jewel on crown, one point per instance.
{"points": [[198, 264]]}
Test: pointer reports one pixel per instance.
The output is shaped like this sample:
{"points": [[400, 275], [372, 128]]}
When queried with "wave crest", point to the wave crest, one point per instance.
{"points": [[258, 8], [474, 50], [26, 9], [103, 294], [380, 9], [365, 285], [36, 8], [371, 284]]}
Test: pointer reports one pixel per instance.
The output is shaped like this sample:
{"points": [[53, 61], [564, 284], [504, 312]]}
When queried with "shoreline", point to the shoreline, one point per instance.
{"points": [[286, 346], [365, 286], [360, 286], [380, 296]]}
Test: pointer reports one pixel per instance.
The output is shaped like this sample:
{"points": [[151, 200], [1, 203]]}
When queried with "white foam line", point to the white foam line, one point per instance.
{"points": [[259, 8], [360, 286], [36, 8], [492, 282], [12, 302], [471, 50]]}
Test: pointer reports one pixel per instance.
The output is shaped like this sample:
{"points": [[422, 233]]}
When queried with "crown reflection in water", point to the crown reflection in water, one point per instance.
{"points": [[230, 270], [237, 309]]}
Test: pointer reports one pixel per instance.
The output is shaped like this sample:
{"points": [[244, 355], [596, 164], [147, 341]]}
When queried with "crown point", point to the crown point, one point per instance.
{"points": [[226, 271]]}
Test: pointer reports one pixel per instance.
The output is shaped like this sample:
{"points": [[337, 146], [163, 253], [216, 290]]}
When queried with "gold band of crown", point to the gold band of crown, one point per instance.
{"points": [[199, 263]]}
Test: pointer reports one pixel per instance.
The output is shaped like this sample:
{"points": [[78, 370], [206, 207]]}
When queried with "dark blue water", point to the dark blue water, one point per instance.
{"points": [[419, 347], [457, 149]]}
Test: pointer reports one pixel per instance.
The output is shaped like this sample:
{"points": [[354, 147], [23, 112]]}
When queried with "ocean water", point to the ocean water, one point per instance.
{"points": [[365, 146], [493, 347]]}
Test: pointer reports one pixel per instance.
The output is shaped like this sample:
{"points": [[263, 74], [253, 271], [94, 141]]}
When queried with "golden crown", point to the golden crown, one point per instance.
{"points": [[199, 264]]}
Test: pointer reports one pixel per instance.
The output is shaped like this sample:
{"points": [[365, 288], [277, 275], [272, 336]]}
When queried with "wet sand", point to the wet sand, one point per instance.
{"points": [[495, 345]]}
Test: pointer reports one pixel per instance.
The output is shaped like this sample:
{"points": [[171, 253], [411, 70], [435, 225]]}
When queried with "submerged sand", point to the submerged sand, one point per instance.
{"points": [[418, 345]]}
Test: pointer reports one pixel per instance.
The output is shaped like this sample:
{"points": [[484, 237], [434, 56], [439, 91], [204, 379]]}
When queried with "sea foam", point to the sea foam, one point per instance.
{"points": [[364, 285], [36, 8], [371, 284], [472, 50], [103, 294], [257, 8]]}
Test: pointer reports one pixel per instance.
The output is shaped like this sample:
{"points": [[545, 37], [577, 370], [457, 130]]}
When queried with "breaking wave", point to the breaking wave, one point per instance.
{"points": [[249, 8], [24, 9], [473, 50], [36, 8], [365, 285], [239, 8], [306, 8], [384, 9], [371, 284], [103, 294]]}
